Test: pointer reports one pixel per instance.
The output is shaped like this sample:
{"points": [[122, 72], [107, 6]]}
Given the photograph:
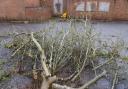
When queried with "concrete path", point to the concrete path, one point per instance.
{"points": [[107, 29]]}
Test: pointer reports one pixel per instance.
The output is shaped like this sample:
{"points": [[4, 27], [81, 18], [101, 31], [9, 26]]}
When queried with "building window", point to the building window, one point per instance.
{"points": [[80, 6], [104, 6], [91, 6]]}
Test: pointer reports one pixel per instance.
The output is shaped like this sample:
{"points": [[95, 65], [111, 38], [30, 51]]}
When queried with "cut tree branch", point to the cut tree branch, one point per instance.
{"points": [[57, 86], [42, 55]]}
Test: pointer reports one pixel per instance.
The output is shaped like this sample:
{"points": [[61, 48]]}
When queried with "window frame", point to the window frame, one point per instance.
{"points": [[102, 3], [89, 6]]}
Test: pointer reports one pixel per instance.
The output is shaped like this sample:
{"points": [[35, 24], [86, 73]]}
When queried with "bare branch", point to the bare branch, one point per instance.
{"points": [[57, 86], [68, 78], [42, 55], [102, 64], [47, 81], [93, 67], [93, 80], [114, 80]]}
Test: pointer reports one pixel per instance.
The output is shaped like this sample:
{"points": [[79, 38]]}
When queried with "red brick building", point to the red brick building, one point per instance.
{"points": [[45, 9], [99, 9], [25, 9]]}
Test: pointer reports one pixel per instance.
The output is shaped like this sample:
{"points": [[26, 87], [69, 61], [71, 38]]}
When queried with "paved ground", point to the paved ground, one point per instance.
{"points": [[107, 29], [113, 29]]}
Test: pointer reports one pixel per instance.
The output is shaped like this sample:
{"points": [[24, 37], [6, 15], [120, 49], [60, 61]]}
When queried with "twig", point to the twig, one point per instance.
{"points": [[14, 53], [82, 65], [102, 64], [93, 67], [51, 58], [23, 33], [68, 78], [114, 80], [62, 41], [34, 71]]}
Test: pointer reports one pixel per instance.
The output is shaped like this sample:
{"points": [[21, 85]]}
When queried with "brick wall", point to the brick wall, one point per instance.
{"points": [[37, 13], [118, 10], [12, 9], [32, 3], [24, 9], [32, 9]]}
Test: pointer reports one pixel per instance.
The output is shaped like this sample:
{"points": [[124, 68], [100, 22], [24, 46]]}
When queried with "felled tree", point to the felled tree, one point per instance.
{"points": [[48, 79], [57, 49]]}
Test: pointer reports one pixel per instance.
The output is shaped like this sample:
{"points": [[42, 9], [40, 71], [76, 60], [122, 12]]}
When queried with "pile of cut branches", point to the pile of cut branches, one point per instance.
{"points": [[53, 50]]}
